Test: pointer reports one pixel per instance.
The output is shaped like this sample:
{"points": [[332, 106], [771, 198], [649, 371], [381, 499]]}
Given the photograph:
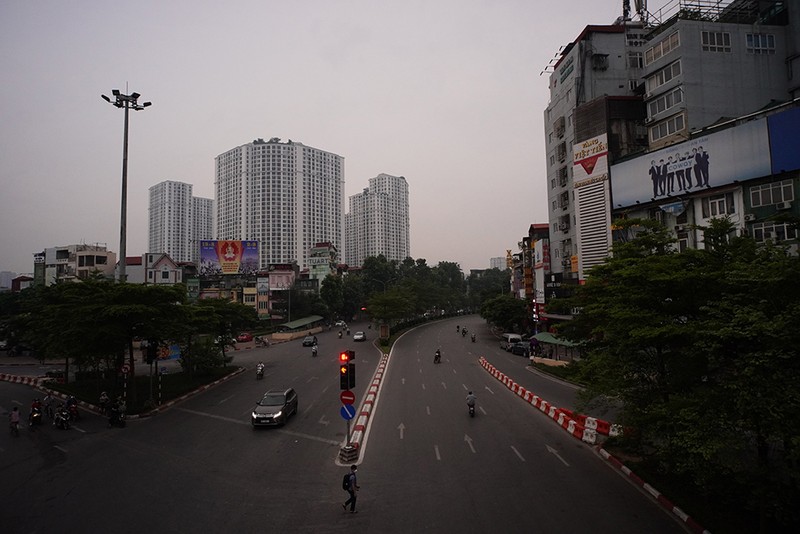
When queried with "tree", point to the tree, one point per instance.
{"points": [[331, 294], [505, 312], [700, 348]]}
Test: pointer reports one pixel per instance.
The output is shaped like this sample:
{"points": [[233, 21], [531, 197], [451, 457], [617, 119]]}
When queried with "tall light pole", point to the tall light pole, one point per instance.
{"points": [[126, 102]]}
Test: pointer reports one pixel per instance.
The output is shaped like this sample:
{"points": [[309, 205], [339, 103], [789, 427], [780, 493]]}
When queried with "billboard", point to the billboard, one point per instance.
{"points": [[590, 161], [721, 158], [228, 257], [784, 140]]}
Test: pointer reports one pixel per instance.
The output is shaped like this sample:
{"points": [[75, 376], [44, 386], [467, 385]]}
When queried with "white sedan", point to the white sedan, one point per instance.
{"points": [[359, 336]]}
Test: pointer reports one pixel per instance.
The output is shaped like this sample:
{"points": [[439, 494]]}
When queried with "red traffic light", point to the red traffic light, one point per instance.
{"points": [[344, 356]]}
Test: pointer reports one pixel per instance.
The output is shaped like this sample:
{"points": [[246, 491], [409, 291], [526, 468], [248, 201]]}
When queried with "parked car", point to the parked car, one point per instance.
{"points": [[309, 341], [274, 408], [508, 340], [340, 323], [521, 348], [244, 337], [359, 336]]}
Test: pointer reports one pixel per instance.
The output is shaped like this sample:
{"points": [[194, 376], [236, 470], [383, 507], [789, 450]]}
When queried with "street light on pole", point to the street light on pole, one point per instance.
{"points": [[126, 102]]}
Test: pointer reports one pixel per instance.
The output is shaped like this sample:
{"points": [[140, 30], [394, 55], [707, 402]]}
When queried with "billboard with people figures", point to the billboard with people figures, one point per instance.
{"points": [[228, 257]]}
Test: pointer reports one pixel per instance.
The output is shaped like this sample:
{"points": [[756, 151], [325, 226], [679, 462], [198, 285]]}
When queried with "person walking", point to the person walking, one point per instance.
{"points": [[352, 489], [13, 418]]}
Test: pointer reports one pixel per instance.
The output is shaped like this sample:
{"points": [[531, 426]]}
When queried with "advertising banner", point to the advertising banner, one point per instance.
{"points": [[739, 153], [228, 257]]}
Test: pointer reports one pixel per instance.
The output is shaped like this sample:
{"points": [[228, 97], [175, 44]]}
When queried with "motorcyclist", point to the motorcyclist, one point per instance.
{"points": [[104, 399], [437, 356], [471, 398], [49, 400], [260, 369], [473, 338], [458, 329], [13, 418], [313, 350], [340, 334]]}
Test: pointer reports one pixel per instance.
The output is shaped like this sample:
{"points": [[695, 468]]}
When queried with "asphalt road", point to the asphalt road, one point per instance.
{"points": [[425, 466]]}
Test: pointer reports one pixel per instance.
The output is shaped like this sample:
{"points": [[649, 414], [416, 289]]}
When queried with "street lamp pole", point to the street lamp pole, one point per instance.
{"points": [[126, 102]]}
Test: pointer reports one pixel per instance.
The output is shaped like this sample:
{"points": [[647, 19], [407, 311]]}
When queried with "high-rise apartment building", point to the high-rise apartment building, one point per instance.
{"points": [[178, 221], [287, 196], [377, 221]]}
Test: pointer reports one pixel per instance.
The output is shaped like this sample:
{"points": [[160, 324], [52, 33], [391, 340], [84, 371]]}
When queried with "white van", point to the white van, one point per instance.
{"points": [[508, 340]]}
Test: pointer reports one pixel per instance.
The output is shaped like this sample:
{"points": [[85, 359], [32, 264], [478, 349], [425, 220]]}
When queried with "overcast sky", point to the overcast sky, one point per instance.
{"points": [[444, 92]]}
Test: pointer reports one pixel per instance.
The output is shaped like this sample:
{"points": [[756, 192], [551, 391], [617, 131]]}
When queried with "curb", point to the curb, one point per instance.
{"points": [[40, 384], [350, 453], [586, 429]]}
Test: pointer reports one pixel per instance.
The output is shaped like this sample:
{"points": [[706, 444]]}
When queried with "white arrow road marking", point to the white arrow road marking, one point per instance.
{"points": [[469, 442], [444, 385], [401, 427], [489, 390], [436, 450], [555, 452], [517, 453], [323, 421]]}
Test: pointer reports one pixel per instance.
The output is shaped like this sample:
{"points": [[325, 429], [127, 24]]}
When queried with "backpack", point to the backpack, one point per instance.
{"points": [[346, 482]]}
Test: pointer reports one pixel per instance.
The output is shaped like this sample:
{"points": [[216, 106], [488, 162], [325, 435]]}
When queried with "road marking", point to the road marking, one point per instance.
{"points": [[401, 427], [555, 452], [436, 450], [428, 409], [490, 391], [482, 410], [323, 421], [423, 386], [454, 371], [403, 381], [517, 453], [308, 436], [225, 399], [220, 417], [62, 449], [326, 388], [311, 379], [79, 429], [16, 402], [469, 442], [444, 385], [420, 370]]}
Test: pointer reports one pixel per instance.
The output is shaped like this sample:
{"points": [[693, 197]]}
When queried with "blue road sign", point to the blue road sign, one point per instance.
{"points": [[348, 411]]}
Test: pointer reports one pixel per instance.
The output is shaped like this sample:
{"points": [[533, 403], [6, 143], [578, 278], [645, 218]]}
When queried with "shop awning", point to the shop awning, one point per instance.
{"points": [[547, 337]]}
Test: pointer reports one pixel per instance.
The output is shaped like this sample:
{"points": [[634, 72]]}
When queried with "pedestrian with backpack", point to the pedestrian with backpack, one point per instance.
{"points": [[350, 483]]}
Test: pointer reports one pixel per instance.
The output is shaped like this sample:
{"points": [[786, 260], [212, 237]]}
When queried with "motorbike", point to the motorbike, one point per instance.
{"points": [[259, 372], [61, 419], [473, 338], [261, 342], [116, 417], [437, 357], [471, 410], [314, 351], [36, 416], [463, 332], [340, 334], [72, 412]]}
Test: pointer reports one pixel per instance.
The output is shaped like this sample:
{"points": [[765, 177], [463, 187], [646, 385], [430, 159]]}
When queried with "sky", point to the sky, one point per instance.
{"points": [[446, 93]]}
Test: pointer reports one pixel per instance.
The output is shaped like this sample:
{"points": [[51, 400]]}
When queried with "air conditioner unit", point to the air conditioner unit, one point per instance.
{"points": [[648, 120], [680, 228], [566, 263], [749, 217], [784, 205]]}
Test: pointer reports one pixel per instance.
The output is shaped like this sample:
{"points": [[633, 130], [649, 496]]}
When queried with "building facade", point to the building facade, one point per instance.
{"points": [[70, 263], [178, 221], [378, 221], [287, 196]]}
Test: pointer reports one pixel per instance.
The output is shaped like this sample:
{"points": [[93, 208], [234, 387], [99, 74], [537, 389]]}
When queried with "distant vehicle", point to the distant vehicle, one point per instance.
{"points": [[274, 408], [309, 341], [340, 323], [508, 340], [359, 336], [521, 348], [3, 344], [244, 337]]}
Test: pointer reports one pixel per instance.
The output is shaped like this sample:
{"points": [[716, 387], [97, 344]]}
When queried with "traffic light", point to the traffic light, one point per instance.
{"points": [[347, 370]]}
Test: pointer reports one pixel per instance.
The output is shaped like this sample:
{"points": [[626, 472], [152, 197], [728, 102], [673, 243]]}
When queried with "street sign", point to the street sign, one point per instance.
{"points": [[126, 369], [347, 397], [348, 411]]}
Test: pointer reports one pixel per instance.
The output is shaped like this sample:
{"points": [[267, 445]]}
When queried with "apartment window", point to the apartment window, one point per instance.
{"points": [[635, 60], [773, 231], [718, 205], [716, 41], [663, 76], [769, 194], [665, 102], [666, 128], [760, 43], [662, 48]]}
